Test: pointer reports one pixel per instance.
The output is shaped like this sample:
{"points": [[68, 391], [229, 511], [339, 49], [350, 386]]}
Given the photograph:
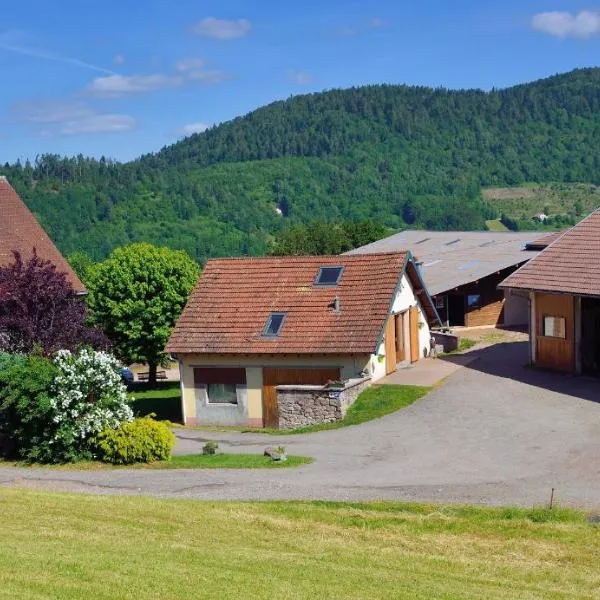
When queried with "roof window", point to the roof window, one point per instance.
{"points": [[329, 276], [274, 324]]}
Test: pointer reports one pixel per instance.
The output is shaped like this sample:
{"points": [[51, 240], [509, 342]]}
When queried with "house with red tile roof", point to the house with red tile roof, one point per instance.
{"points": [[563, 286], [262, 341], [21, 232]]}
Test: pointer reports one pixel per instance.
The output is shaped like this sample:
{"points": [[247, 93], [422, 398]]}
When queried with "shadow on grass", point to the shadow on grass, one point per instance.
{"points": [[163, 399]]}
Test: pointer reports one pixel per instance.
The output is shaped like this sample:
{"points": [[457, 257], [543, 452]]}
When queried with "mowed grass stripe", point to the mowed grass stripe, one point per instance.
{"points": [[77, 546]]}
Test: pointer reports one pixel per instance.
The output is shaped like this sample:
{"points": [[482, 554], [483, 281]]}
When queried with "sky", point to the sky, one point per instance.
{"points": [[122, 78]]}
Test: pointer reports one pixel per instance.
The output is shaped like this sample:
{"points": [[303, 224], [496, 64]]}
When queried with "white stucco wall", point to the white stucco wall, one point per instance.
{"points": [[405, 298]]}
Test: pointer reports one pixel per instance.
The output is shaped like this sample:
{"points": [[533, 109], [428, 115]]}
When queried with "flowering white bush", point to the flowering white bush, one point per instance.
{"points": [[89, 395]]}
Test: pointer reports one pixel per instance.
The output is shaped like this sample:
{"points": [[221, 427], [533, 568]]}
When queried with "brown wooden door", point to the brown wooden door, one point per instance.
{"points": [[390, 345], [272, 377], [400, 345], [413, 318]]}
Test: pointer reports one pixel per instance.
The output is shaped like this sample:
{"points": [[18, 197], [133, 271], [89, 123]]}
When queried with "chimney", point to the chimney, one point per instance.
{"points": [[336, 304]]}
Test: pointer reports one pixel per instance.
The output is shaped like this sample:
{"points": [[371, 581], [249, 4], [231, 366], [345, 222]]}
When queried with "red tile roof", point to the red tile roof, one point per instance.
{"points": [[570, 264], [20, 231], [229, 307]]}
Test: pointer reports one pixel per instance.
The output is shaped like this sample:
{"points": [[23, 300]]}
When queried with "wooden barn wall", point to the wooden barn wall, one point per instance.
{"points": [[555, 353], [491, 311]]}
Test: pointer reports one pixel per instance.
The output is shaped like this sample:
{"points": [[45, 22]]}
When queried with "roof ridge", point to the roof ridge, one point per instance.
{"points": [[313, 257]]}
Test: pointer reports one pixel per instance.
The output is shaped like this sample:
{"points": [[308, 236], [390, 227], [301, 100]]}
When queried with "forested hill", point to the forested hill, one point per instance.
{"points": [[402, 155]]}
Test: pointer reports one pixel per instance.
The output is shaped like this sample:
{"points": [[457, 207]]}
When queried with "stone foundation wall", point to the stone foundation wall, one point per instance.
{"points": [[301, 405]]}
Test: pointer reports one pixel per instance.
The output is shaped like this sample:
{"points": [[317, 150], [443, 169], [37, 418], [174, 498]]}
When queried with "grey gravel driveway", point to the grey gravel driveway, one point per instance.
{"points": [[494, 433]]}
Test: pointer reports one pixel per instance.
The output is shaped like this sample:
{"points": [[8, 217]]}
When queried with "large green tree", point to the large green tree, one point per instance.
{"points": [[136, 295]]}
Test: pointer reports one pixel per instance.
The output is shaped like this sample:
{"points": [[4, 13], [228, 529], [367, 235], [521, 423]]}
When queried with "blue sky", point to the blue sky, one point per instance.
{"points": [[121, 78]]}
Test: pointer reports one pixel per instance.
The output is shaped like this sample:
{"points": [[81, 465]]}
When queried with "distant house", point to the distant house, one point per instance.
{"points": [[462, 270], [254, 328], [21, 232], [563, 287], [541, 217]]}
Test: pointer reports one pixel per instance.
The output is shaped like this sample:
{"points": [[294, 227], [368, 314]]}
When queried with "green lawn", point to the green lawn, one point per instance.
{"points": [[496, 225], [132, 548], [464, 344], [190, 461], [163, 399], [376, 401]]}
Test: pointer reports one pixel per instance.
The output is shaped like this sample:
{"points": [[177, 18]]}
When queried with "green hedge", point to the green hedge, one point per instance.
{"points": [[142, 440]]}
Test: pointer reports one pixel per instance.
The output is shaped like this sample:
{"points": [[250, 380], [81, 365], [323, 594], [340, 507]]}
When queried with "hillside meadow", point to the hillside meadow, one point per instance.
{"points": [[103, 547]]}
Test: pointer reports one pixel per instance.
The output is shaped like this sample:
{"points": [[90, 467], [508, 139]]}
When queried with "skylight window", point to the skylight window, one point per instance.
{"points": [[274, 324], [329, 276]]}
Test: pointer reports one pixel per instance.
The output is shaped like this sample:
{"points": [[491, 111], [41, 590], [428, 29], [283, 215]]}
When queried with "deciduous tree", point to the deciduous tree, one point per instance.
{"points": [[39, 308], [136, 295]]}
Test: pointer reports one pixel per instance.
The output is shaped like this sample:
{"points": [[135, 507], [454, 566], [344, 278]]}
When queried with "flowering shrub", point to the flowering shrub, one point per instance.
{"points": [[142, 440], [89, 395]]}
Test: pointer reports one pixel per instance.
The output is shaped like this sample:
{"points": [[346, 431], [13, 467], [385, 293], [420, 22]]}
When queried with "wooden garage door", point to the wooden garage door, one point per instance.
{"points": [[273, 377]]}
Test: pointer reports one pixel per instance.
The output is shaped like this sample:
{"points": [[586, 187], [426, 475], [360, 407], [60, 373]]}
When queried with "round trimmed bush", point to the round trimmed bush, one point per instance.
{"points": [[141, 440]]}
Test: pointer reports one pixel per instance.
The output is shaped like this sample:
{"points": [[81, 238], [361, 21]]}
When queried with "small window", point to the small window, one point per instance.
{"points": [[555, 327], [274, 324], [220, 383], [222, 393], [440, 301], [329, 275], [474, 300]]}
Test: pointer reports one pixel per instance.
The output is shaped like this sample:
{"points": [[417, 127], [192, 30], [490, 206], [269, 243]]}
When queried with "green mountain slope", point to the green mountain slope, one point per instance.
{"points": [[400, 154]]}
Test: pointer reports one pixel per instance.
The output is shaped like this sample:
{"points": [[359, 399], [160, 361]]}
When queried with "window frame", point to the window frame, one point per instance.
{"points": [[329, 283], [564, 327], [204, 377], [479, 301], [213, 403], [276, 334]]}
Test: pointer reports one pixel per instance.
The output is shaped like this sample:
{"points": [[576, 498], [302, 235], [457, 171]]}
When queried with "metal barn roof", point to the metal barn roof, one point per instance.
{"points": [[454, 258]]}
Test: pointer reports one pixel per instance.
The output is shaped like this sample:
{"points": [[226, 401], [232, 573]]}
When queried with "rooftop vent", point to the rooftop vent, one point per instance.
{"points": [[453, 242]]}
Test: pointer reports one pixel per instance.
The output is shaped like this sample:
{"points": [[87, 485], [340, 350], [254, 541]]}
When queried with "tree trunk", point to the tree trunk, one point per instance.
{"points": [[152, 373]]}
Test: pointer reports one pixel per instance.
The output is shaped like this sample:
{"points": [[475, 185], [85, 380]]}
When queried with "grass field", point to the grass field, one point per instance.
{"points": [[188, 461], [163, 399], [105, 547], [496, 225], [374, 402], [527, 200]]}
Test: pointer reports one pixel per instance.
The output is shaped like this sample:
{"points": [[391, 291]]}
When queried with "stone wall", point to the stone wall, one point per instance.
{"points": [[301, 405]]}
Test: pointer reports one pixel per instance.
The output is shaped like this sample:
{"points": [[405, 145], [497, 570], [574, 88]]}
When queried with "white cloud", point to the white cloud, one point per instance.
{"points": [[300, 77], [209, 77], [222, 29], [50, 111], [119, 59], [562, 24], [192, 128], [98, 124], [122, 85], [70, 118], [189, 64]]}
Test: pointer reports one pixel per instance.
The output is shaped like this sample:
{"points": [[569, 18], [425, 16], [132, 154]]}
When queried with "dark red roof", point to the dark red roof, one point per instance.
{"points": [[20, 231], [570, 264], [228, 310]]}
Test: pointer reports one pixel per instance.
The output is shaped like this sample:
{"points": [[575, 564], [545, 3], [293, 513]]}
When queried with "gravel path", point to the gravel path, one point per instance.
{"points": [[494, 433]]}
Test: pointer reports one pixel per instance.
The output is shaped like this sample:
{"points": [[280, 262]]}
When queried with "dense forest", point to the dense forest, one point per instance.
{"points": [[395, 154]]}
